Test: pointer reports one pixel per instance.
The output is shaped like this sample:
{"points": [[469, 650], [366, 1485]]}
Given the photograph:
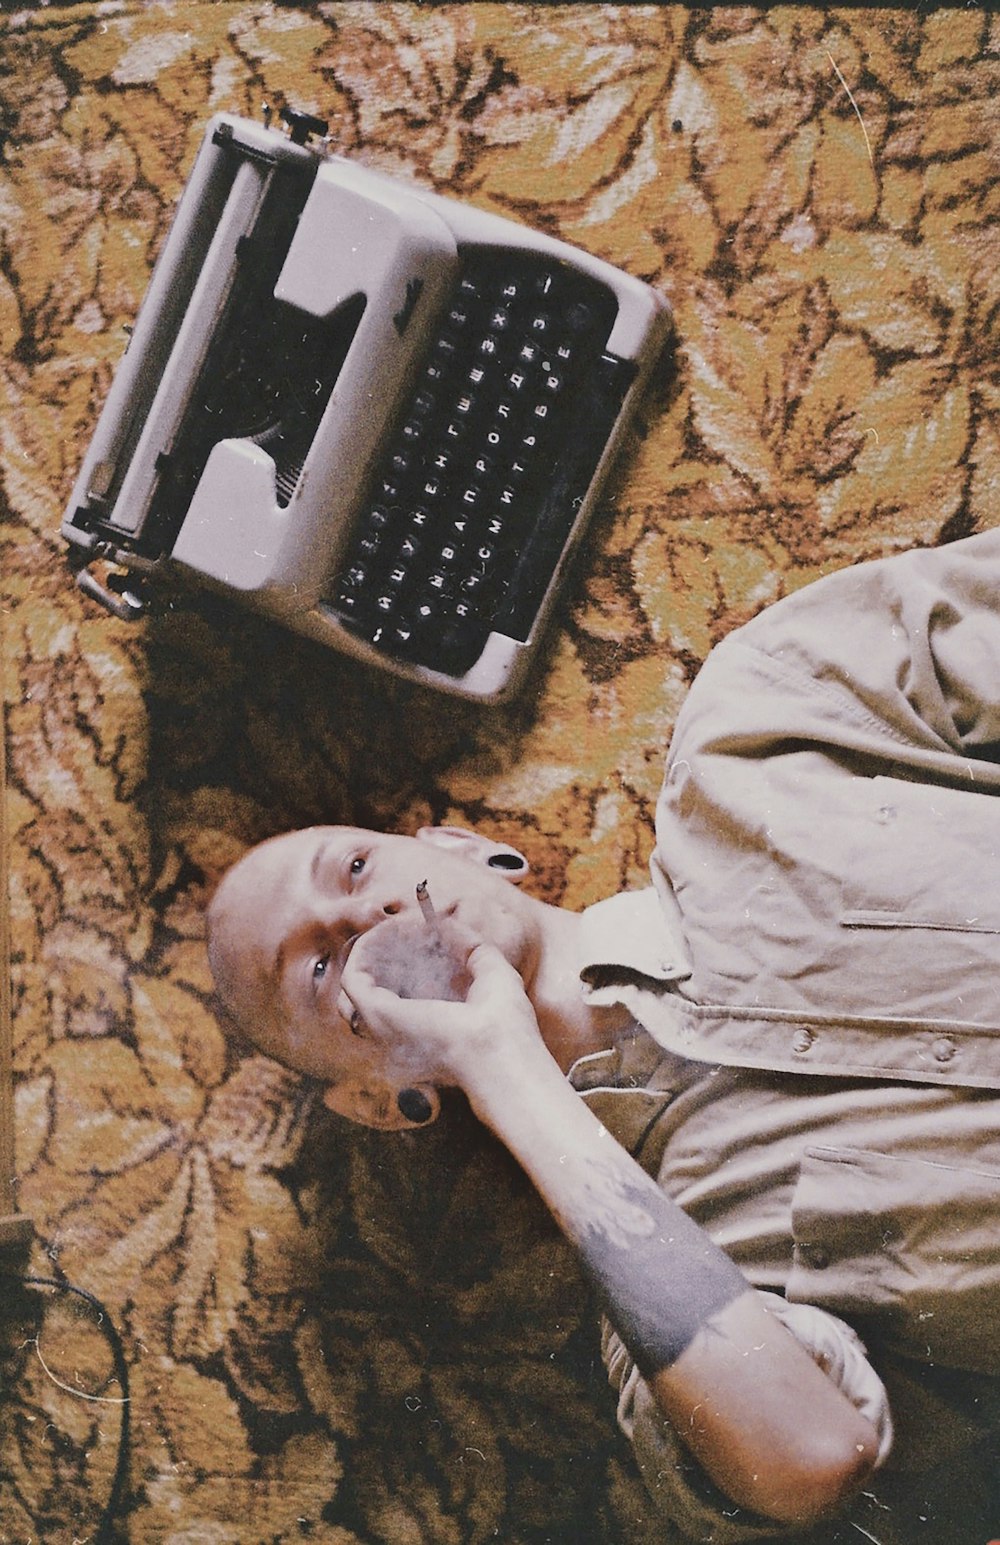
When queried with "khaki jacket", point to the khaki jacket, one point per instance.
{"points": [[828, 834], [818, 969]]}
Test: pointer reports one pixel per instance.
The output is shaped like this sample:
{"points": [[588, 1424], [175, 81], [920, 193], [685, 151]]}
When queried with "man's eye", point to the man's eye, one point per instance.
{"points": [[356, 866]]}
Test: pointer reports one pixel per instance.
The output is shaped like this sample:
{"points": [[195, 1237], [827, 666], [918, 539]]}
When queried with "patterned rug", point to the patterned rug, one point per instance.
{"points": [[333, 1337]]}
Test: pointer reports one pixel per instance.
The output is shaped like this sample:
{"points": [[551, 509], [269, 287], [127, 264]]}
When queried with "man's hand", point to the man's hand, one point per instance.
{"points": [[438, 1040]]}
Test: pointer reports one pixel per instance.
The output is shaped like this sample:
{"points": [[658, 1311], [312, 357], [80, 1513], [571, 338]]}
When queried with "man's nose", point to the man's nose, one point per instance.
{"points": [[357, 914]]}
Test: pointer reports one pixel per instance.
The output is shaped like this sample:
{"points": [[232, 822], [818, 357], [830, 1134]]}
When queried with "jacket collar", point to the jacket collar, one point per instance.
{"points": [[633, 935]]}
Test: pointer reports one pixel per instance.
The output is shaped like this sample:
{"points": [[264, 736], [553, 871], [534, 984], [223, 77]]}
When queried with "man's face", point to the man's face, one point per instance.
{"points": [[285, 917]]}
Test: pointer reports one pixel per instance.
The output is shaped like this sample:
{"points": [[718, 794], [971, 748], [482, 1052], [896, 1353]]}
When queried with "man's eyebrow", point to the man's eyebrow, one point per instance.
{"points": [[277, 967], [277, 970]]}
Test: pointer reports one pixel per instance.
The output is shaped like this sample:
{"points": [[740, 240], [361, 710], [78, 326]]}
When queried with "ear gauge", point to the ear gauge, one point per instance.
{"points": [[415, 1106], [509, 860]]}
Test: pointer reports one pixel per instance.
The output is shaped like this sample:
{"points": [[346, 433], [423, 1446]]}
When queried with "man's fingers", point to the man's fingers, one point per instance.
{"points": [[491, 973], [367, 1007], [349, 1012], [360, 992], [377, 1013]]}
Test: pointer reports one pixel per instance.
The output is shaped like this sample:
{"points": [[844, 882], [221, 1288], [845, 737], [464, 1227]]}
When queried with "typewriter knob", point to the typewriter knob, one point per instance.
{"points": [[301, 126]]}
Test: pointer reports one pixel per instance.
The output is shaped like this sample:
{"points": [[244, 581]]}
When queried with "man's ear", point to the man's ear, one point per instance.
{"points": [[380, 1106], [478, 849]]}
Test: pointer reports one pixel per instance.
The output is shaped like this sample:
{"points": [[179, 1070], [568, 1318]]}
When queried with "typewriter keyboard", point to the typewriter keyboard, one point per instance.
{"points": [[478, 490]]}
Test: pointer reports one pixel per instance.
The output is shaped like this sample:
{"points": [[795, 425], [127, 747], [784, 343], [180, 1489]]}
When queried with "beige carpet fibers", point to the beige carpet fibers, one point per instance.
{"points": [[333, 1338]]}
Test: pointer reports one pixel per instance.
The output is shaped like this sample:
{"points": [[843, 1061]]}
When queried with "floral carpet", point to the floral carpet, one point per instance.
{"points": [[330, 1336]]}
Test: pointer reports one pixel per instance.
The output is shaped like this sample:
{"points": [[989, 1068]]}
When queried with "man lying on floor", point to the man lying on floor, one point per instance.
{"points": [[793, 1036]]}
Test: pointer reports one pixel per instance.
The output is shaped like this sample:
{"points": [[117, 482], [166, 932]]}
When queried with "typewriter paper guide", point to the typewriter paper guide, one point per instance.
{"points": [[373, 413]]}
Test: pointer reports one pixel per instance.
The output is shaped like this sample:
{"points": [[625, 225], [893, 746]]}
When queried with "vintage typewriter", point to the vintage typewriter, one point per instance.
{"points": [[376, 414]]}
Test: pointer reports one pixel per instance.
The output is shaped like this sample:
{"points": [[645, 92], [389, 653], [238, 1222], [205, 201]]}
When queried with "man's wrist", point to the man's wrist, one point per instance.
{"points": [[504, 1074]]}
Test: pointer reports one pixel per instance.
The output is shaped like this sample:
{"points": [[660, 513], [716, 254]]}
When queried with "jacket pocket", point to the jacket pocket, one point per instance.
{"points": [[907, 1244], [926, 856]]}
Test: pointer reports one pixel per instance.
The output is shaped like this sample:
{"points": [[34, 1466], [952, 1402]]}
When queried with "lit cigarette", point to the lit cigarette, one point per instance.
{"points": [[426, 904]]}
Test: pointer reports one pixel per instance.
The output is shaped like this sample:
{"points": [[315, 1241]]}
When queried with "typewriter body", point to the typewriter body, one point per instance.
{"points": [[377, 415]]}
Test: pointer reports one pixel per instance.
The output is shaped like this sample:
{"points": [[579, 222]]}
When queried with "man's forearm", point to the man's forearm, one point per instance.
{"points": [[767, 1425], [658, 1275]]}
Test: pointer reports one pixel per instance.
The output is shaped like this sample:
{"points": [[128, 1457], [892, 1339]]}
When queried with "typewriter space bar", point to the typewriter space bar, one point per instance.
{"points": [[543, 548]]}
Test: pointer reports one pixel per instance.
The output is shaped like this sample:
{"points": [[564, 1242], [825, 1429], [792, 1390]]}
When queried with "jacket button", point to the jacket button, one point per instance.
{"points": [[802, 1041], [814, 1256], [944, 1049]]}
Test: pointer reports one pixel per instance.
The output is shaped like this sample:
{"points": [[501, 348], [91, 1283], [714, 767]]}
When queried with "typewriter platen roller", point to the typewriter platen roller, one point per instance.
{"points": [[373, 413]]}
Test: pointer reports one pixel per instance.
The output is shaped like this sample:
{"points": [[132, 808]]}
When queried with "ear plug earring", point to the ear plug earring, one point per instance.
{"points": [[414, 1105], [510, 860]]}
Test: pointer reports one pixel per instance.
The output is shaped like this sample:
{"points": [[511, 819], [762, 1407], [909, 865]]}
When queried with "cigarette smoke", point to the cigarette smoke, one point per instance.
{"points": [[416, 959]]}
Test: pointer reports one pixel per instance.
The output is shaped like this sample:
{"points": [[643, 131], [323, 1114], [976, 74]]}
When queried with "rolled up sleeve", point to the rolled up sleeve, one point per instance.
{"points": [[690, 1505]]}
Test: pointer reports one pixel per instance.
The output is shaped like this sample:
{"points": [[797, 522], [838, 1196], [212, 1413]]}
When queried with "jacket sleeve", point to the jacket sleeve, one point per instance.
{"points": [[911, 642], [690, 1506], [682, 1492]]}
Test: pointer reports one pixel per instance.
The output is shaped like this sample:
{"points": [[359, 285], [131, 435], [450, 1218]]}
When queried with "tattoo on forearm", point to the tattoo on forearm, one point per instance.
{"points": [[659, 1275]]}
